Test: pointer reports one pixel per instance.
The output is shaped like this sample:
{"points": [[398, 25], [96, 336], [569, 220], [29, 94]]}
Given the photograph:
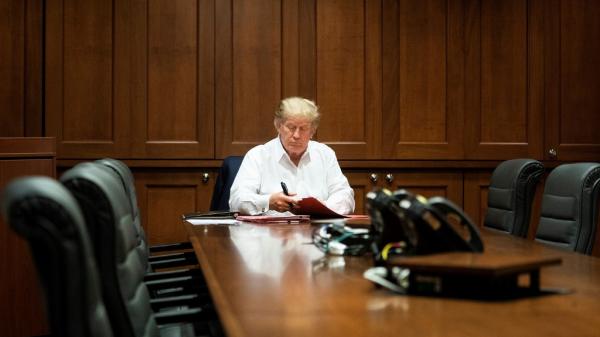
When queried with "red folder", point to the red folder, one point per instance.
{"points": [[317, 210]]}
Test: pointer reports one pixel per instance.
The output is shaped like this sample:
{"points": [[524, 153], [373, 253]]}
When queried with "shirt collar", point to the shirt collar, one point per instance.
{"points": [[280, 151]]}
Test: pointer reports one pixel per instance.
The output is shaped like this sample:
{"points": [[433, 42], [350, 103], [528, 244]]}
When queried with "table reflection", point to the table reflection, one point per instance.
{"points": [[269, 250]]}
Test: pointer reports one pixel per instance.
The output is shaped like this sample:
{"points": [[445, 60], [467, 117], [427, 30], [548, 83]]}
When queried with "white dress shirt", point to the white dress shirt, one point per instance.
{"points": [[264, 167]]}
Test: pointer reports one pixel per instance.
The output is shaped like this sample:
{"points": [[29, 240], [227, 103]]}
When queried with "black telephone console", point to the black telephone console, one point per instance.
{"points": [[408, 224]]}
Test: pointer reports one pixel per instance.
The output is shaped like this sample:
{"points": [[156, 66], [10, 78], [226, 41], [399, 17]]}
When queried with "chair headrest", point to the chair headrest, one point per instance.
{"points": [[126, 177], [572, 179], [508, 172]]}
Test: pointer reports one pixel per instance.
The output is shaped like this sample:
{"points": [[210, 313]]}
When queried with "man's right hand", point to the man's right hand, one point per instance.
{"points": [[282, 203]]}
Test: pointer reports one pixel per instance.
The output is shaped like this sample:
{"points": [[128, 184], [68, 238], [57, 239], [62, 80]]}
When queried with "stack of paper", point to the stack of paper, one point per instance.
{"points": [[210, 215], [266, 219]]}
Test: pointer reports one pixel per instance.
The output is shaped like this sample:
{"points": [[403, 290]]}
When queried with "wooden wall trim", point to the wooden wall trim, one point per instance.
{"points": [[158, 163], [17, 147], [344, 164]]}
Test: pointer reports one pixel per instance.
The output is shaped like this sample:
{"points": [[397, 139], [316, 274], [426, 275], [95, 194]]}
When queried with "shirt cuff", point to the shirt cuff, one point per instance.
{"points": [[263, 203]]}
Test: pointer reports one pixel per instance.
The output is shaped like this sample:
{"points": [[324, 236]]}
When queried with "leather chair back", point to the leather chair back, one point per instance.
{"points": [[227, 173], [128, 182], [107, 212], [149, 262], [43, 212], [570, 207], [511, 193]]}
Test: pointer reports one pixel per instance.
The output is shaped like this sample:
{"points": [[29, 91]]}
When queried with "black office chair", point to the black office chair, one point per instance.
{"points": [[151, 263], [570, 207], [128, 184], [164, 283], [511, 192], [43, 212], [227, 173], [107, 213]]}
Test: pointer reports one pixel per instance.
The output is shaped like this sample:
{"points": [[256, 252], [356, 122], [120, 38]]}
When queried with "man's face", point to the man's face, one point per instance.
{"points": [[295, 134]]}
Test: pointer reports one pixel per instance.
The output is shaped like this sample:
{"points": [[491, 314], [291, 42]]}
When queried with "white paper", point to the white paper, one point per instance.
{"points": [[212, 221]]}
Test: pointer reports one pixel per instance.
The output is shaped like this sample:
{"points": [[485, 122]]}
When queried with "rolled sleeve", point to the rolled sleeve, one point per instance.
{"points": [[341, 195]]}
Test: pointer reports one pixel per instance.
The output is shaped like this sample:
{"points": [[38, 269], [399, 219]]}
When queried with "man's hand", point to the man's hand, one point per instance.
{"points": [[282, 203]]}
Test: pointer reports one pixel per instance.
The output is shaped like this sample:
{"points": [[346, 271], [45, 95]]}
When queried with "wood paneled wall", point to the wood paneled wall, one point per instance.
{"points": [[165, 194], [12, 59], [573, 79], [423, 82], [446, 183], [21, 79], [504, 75], [395, 79], [130, 79]]}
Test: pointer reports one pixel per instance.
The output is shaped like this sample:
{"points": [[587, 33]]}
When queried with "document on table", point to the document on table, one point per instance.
{"points": [[210, 215], [204, 221], [275, 219], [308, 209], [313, 207], [256, 219]]}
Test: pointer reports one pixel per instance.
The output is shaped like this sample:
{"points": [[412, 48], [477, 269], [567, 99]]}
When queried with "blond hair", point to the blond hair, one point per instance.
{"points": [[300, 108]]}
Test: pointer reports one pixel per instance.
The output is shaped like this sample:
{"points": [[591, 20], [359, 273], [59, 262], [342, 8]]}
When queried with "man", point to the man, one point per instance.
{"points": [[306, 167]]}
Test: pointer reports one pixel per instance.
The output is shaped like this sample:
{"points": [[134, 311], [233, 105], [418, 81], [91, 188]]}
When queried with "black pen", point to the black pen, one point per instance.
{"points": [[285, 191]]}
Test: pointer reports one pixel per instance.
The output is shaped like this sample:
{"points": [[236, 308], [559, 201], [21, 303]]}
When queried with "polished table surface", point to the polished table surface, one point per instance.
{"points": [[271, 281]]}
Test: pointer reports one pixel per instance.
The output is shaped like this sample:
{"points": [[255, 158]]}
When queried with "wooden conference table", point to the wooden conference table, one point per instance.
{"points": [[270, 281]]}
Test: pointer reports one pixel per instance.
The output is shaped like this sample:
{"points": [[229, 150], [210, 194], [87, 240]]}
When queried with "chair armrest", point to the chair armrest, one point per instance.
{"points": [[172, 260], [176, 285], [202, 301], [184, 315], [193, 272]]}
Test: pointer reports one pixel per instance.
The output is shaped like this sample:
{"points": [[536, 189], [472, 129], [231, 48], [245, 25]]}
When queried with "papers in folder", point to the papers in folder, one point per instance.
{"points": [[211, 218], [317, 210]]}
